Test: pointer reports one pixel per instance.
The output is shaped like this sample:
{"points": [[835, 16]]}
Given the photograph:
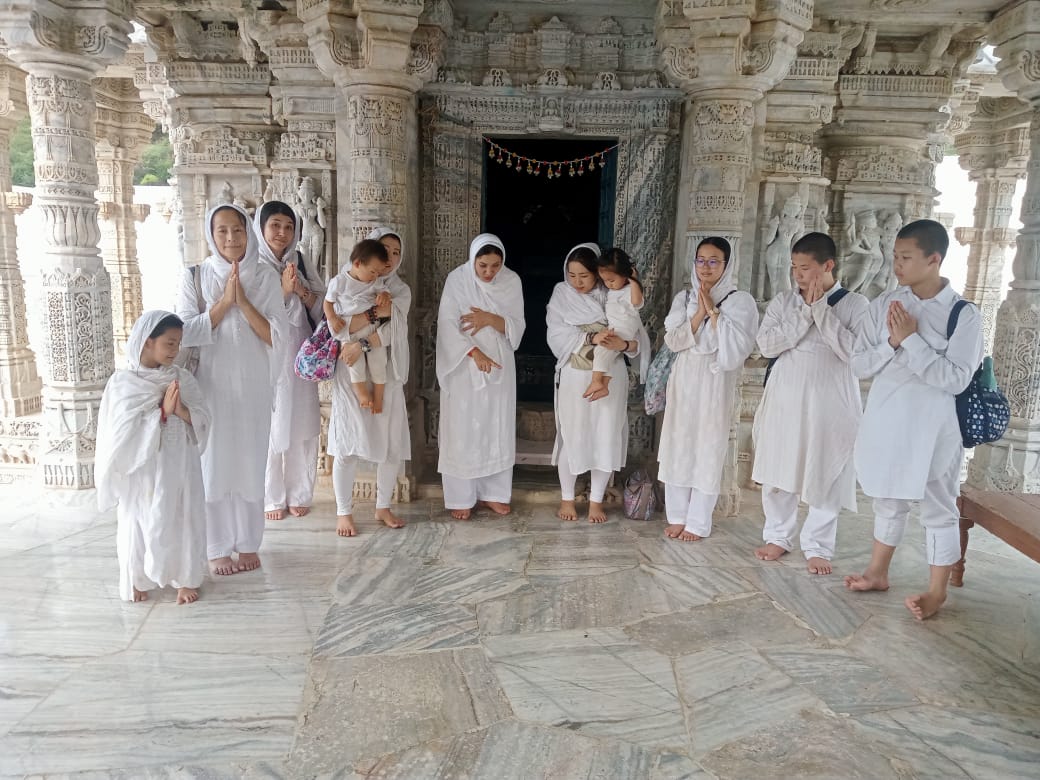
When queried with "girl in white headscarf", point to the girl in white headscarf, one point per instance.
{"points": [[356, 433], [152, 426], [296, 422], [712, 329], [233, 309], [479, 327], [591, 425]]}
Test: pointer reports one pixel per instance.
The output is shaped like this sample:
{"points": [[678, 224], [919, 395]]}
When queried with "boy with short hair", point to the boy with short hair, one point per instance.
{"points": [[909, 444], [805, 427]]}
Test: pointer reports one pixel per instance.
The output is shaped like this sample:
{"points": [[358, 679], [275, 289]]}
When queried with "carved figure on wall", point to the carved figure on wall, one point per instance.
{"points": [[227, 194], [891, 222], [177, 222], [311, 207], [865, 258], [783, 229]]}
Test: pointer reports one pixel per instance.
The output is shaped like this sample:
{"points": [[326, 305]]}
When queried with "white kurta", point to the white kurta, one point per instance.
{"points": [[477, 435], [153, 474], [701, 390], [910, 434], [805, 427]]}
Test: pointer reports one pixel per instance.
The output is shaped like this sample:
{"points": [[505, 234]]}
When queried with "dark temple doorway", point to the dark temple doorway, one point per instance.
{"points": [[538, 220]]}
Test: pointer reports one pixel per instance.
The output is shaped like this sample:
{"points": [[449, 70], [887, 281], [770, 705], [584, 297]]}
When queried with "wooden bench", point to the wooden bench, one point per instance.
{"points": [[1012, 517]]}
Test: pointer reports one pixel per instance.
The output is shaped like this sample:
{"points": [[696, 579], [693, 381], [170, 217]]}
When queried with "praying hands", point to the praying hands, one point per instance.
{"points": [[900, 324]]}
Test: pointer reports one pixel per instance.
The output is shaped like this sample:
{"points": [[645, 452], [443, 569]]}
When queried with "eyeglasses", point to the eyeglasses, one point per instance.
{"points": [[712, 263]]}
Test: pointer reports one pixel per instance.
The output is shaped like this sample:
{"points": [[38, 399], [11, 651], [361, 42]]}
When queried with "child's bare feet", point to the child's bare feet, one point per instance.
{"points": [[140, 595], [364, 397], [596, 512], [817, 565], [275, 514], [688, 536], [868, 580], [770, 552], [672, 530], [389, 519], [496, 506], [377, 399], [345, 525], [596, 390], [223, 565], [187, 595], [248, 561], [924, 605], [461, 514], [299, 511], [567, 511]]}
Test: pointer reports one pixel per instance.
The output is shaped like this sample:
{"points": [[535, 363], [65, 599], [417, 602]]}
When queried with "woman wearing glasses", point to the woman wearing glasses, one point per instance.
{"points": [[711, 328]]}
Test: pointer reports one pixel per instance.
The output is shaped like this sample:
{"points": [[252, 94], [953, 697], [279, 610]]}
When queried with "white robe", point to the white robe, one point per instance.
{"points": [[910, 434], [478, 410], [700, 394], [152, 472], [805, 427], [592, 435]]}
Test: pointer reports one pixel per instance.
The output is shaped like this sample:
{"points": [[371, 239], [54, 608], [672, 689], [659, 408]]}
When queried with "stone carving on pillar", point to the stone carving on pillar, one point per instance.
{"points": [[62, 46], [19, 383], [311, 208], [783, 230], [865, 257], [1013, 464], [891, 223]]}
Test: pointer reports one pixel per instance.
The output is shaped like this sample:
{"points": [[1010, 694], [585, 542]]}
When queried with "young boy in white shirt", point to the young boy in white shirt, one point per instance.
{"points": [[909, 444]]}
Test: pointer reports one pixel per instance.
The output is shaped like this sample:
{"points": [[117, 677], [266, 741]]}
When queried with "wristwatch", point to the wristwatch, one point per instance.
{"points": [[366, 346]]}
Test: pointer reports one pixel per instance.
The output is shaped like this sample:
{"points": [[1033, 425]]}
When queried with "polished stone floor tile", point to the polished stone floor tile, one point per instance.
{"points": [[370, 629]]}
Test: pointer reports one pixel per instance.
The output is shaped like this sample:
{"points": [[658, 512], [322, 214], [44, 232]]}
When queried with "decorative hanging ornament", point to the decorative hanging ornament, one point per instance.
{"points": [[553, 168]]}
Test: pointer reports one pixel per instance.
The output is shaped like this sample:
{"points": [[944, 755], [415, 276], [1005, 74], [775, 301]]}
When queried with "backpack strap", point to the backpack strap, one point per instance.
{"points": [[196, 277], [719, 304], [835, 297], [955, 312], [300, 265]]}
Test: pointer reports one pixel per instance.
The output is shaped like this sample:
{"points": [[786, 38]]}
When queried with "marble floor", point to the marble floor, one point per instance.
{"points": [[510, 648]]}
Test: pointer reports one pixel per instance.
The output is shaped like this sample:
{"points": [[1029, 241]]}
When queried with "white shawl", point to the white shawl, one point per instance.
{"points": [[569, 309], [294, 308], [723, 287], [401, 295], [129, 429], [464, 289]]}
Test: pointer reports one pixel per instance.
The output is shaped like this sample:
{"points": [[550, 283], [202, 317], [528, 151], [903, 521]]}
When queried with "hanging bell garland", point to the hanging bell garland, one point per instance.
{"points": [[553, 168]]}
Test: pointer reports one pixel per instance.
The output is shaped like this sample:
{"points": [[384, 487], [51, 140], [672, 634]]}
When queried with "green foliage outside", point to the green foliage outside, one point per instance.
{"points": [[156, 160], [22, 174]]}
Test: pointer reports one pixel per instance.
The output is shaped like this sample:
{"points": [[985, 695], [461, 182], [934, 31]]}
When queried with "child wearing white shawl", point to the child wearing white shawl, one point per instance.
{"points": [[712, 329], [479, 327], [240, 325], [296, 421], [152, 425]]}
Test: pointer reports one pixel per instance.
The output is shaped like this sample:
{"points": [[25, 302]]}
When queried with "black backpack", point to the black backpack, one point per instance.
{"points": [[982, 409], [832, 300]]}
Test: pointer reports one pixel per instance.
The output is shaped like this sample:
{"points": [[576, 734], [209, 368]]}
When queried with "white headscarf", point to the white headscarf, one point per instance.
{"points": [[266, 253], [248, 267], [584, 308], [401, 295], [723, 287]]}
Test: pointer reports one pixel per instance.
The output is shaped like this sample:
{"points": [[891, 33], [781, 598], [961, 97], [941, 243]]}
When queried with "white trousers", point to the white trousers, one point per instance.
{"points": [[460, 493], [598, 480], [689, 507], [371, 365], [818, 534], [233, 525], [290, 476], [344, 469], [939, 516]]}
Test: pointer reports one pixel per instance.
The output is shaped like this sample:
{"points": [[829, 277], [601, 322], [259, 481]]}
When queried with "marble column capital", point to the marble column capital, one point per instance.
{"points": [[1015, 34]]}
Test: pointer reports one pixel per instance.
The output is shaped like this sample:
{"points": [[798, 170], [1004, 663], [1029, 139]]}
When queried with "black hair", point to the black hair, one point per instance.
{"points": [[273, 207], [233, 210], [819, 246], [930, 236], [718, 243], [391, 235], [367, 250], [169, 322], [617, 260], [587, 258], [489, 249]]}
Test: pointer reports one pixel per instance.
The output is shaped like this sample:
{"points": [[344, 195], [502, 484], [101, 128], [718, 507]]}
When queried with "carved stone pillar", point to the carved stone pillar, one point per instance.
{"points": [[1013, 464], [122, 131], [19, 383], [994, 150], [62, 49]]}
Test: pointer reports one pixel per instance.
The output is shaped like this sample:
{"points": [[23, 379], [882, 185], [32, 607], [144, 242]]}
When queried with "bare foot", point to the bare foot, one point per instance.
{"points": [[866, 581], [496, 506], [187, 595], [672, 530], [299, 511], [596, 389], [377, 399], [345, 525], [770, 552], [567, 511], [817, 565], [596, 513], [924, 605], [248, 561], [389, 519], [140, 595], [460, 514], [223, 565], [688, 536], [364, 397], [276, 514]]}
